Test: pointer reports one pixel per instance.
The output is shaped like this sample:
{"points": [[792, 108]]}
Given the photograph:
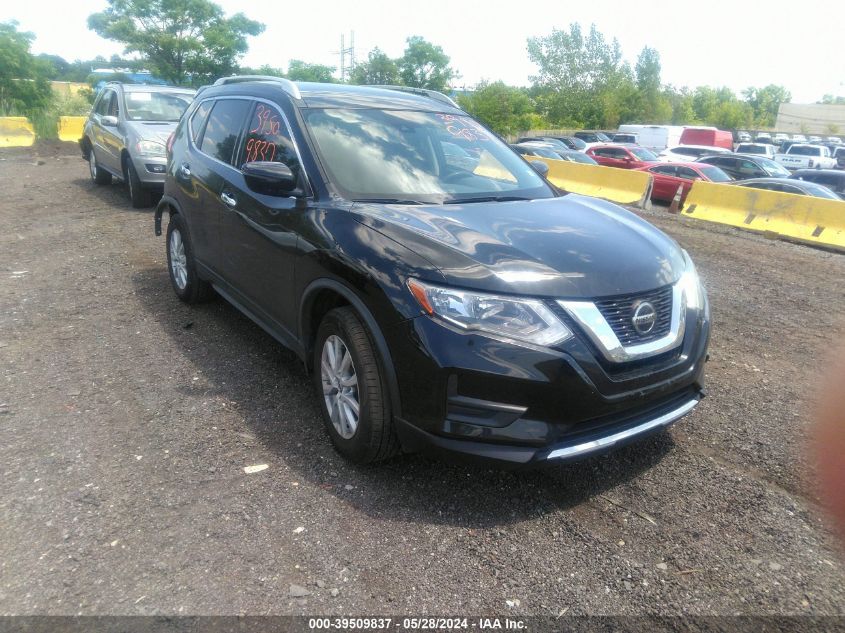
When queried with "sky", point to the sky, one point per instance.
{"points": [[735, 44]]}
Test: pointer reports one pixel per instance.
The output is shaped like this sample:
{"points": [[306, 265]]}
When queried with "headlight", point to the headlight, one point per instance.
{"points": [[151, 148], [526, 320], [691, 285]]}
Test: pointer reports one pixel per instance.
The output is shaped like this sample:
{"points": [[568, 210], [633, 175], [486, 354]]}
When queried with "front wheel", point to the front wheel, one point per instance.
{"points": [[351, 391], [140, 196]]}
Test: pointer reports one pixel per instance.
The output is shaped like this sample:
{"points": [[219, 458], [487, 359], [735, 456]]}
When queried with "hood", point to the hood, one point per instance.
{"points": [[568, 247], [151, 131]]}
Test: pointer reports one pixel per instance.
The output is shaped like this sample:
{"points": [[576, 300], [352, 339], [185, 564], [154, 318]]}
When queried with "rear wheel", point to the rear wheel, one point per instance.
{"points": [[181, 264], [140, 196], [351, 391], [98, 175]]}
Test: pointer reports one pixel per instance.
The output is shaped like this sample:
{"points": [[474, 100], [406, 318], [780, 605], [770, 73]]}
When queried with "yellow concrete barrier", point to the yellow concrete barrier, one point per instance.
{"points": [[625, 186], [787, 215], [70, 127], [16, 131]]}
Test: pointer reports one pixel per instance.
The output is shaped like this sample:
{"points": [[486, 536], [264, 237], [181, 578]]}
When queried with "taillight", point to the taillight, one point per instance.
{"points": [[170, 140]]}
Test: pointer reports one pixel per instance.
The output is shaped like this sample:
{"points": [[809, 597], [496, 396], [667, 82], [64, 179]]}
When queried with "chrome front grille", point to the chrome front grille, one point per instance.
{"points": [[619, 314]]}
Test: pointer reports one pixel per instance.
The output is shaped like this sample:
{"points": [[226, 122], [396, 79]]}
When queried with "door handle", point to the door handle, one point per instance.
{"points": [[228, 200], [184, 170]]}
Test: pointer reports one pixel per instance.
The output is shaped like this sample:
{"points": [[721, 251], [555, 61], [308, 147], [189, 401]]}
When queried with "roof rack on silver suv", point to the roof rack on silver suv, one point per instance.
{"points": [[424, 92], [286, 84]]}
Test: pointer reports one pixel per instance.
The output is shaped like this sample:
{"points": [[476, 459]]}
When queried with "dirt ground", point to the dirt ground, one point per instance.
{"points": [[127, 418]]}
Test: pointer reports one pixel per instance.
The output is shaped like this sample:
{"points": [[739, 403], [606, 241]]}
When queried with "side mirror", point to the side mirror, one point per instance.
{"points": [[540, 168], [272, 179], [109, 121]]}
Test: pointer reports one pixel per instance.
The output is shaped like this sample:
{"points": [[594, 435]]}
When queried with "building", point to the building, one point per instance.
{"points": [[811, 118]]}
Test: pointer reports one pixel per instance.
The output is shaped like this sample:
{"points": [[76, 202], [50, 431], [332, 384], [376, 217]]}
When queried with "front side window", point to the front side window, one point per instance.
{"points": [[374, 154], [267, 139], [113, 108], [666, 170], [223, 128], [687, 174], [643, 154], [156, 106], [103, 104]]}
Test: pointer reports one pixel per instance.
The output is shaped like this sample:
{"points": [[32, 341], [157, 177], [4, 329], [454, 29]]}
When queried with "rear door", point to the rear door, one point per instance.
{"points": [[207, 171], [665, 182]]}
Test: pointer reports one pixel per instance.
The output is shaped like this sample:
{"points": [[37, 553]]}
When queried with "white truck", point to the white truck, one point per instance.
{"points": [[806, 156], [654, 137]]}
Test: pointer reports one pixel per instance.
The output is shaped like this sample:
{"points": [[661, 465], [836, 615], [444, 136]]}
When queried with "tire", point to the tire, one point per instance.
{"points": [[181, 264], [371, 438], [98, 175], [140, 196]]}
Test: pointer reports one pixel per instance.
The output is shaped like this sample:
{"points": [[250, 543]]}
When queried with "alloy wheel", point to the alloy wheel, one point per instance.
{"points": [[340, 386]]}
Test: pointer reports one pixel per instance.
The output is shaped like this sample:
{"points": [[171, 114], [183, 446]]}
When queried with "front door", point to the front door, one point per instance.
{"points": [[258, 230]]}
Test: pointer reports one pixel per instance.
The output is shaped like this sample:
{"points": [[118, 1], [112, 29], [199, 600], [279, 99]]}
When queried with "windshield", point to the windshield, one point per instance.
{"points": [[797, 150], [776, 169], [714, 174], [603, 137], [156, 106], [393, 155], [643, 154]]}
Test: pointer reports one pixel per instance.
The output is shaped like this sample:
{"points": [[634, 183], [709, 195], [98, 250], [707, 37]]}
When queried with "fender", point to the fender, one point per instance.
{"points": [[166, 201], [369, 320]]}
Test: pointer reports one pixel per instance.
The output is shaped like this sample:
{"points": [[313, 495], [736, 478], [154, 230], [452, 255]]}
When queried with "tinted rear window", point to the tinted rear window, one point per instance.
{"points": [[223, 128]]}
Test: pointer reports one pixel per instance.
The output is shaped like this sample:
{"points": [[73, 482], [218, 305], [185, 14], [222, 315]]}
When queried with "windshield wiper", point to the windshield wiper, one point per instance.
{"points": [[486, 199], [387, 201]]}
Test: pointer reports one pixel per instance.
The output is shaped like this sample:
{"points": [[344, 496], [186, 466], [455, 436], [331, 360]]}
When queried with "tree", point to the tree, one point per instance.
{"points": [[299, 70], [181, 40], [378, 70], [504, 109], [424, 65], [23, 78], [765, 103], [654, 105]]}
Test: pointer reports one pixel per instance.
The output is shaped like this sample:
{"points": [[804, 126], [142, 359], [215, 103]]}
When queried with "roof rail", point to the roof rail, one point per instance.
{"points": [[424, 92], [286, 84]]}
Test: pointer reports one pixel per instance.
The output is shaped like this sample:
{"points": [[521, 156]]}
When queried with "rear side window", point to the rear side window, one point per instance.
{"points": [[223, 128], [267, 139], [198, 120], [666, 170]]}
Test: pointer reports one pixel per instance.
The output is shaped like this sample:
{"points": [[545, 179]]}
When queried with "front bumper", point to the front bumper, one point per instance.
{"points": [[471, 396], [151, 170]]}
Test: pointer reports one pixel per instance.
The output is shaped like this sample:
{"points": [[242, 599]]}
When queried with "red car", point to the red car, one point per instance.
{"points": [[623, 156], [669, 176]]}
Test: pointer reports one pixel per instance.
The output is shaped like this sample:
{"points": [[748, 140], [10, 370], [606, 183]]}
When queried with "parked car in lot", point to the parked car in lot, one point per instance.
{"points": [[564, 142], [669, 176], [780, 137], [592, 138], [833, 179], [125, 136], [475, 313], [834, 139], [839, 157], [804, 156], [625, 137], [786, 185], [799, 138], [622, 156], [814, 139], [763, 149], [763, 137], [742, 167], [743, 137], [685, 153], [537, 149]]}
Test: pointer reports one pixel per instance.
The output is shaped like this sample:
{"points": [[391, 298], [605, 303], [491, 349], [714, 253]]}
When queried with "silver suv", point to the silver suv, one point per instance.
{"points": [[126, 134]]}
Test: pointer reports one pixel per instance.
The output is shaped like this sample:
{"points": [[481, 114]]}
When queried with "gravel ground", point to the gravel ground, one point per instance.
{"points": [[127, 418]]}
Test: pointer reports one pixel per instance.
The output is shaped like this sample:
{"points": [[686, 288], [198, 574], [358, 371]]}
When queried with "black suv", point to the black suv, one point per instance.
{"points": [[443, 300]]}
